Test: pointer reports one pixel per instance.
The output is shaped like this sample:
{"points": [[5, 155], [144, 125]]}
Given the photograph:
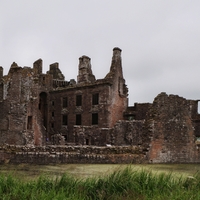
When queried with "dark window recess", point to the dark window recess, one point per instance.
{"points": [[52, 114], [94, 118], [65, 102], [78, 100], [87, 141], [78, 119], [65, 120], [43, 79], [95, 99], [52, 125], [52, 103], [29, 123], [65, 136]]}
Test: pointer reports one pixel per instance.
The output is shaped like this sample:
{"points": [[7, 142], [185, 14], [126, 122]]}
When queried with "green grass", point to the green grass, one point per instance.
{"points": [[30, 171], [126, 183]]}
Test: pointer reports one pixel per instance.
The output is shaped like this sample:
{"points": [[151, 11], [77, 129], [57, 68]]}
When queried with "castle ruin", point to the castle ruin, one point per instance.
{"points": [[42, 110]]}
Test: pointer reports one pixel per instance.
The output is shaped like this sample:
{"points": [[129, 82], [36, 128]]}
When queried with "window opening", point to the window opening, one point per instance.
{"points": [[52, 114], [94, 118], [43, 80], [52, 125], [78, 100], [65, 102], [65, 120], [78, 119], [52, 103], [29, 123], [87, 141], [95, 99], [65, 136]]}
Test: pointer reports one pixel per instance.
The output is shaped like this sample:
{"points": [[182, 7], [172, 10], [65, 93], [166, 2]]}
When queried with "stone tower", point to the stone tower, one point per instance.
{"points": [[85, 71]]}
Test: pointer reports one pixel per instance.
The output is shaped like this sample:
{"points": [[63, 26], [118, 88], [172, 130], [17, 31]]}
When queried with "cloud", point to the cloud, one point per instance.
{"points": [[159, 40]]}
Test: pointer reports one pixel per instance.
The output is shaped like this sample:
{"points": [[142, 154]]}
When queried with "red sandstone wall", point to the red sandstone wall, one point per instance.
{"points": [[86, 109], [21, 119], [171, 130]]}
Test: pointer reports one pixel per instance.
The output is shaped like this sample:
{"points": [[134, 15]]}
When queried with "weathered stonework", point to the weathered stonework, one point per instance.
{"points": [[45, 118], [172, 130], [71, 154]]}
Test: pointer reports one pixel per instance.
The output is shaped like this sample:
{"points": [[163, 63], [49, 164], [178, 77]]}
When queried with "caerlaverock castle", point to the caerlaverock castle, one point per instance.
{"points": [[40, 111]]}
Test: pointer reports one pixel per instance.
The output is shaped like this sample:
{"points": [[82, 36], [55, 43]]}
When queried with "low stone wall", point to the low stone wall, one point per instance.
{"points": [[71, 154]]}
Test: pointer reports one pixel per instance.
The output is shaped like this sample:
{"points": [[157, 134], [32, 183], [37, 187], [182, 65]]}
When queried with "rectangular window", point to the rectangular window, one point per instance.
{"points": [[65, 120], [65, 102], [78, 119], [65, 136], [43, 80], [78, 100], [95, 99], [29, 123], [87, 141], [52, 103], [95, 118], [52, 114]]}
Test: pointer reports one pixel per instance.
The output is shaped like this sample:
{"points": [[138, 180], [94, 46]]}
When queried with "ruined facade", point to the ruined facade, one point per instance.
{"points": [[44, 109], [36, 107]]}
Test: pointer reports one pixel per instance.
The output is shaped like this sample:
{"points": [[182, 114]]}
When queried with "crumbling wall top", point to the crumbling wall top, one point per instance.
{"points": [[55, 71]]}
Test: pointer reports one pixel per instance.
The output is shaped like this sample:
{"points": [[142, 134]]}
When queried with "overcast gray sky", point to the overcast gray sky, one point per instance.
{"points": [[160, 40]]}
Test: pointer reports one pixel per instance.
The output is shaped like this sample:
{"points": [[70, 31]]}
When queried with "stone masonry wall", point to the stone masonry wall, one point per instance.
{"points": [[127, 132], [86, 109], [91, 135], [71, 154], [21, 119], [170, 129]]}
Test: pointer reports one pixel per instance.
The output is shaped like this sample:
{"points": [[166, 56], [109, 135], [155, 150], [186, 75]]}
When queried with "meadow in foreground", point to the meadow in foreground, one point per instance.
{"points": [[124, 184]]}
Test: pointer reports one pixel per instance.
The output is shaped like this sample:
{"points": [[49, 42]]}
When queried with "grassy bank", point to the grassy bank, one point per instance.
{"points": [[30, 171], [126, 183]]}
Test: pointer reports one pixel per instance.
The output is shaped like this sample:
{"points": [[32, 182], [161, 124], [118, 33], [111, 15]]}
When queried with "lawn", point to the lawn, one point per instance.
{"points": [[99, 182], [28, 171]]}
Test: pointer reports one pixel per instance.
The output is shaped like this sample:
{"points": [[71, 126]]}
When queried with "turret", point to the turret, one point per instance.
{"points": [[116, 73], [85, 71], [37, 66], [116, 64]]}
